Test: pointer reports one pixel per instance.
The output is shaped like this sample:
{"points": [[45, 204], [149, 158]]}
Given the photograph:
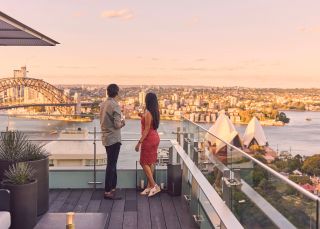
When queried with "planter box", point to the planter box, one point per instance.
{"points": [[41, 168], [23, 203], [4, 165]]}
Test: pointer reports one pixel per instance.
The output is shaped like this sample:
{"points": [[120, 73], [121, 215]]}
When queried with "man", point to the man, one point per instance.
{"points": [[111, 124]]}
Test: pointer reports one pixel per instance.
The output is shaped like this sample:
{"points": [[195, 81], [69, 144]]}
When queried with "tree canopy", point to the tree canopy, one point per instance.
{"points": [[311, 165]]}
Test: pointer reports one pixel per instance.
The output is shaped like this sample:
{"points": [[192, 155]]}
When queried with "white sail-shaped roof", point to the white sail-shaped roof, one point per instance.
{"points": [[254, 131], [223, 129]]}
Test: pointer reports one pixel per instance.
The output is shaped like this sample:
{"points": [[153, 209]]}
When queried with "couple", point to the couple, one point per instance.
{"points": [[111, 123]]}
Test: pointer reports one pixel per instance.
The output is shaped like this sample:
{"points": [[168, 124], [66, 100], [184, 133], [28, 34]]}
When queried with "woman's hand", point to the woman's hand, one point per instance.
{"points": [[137, 148]]}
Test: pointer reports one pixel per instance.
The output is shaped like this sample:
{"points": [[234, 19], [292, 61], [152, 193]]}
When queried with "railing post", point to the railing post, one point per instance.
{"points": [[318, 214], [171, 158], [196, 152], [94, 158], [191, 145], [185, 142], [230, 180], [179, 135]]}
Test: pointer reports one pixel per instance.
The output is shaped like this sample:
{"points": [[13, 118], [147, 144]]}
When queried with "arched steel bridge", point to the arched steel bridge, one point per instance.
{"points": [[86, 104], [54, 95]]}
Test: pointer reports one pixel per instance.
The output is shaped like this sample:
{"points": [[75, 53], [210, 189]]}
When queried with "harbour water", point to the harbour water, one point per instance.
{"points": [[299, 136]]}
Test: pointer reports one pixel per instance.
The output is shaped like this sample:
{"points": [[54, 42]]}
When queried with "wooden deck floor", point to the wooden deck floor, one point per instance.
{"points": [[133, 211]]}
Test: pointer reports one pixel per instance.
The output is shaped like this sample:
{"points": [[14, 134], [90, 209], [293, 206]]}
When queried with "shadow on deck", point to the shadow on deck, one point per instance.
{"points": [[133, 211]]}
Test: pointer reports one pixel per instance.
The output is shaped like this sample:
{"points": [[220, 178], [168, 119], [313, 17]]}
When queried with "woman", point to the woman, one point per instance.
{"points": [[149, 142]]}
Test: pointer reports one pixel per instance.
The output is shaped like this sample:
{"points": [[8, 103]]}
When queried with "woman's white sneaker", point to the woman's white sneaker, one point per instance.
{"points": [[145, 192], [156, 189]]}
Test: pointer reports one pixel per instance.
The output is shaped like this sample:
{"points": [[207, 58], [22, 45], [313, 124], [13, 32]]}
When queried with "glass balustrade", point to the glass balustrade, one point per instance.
{"points": [[258, 196]]}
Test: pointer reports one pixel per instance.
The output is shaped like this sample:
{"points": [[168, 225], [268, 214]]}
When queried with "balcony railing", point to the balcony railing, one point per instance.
{"points": [[256, 194], [226, 189], [207, 207]]}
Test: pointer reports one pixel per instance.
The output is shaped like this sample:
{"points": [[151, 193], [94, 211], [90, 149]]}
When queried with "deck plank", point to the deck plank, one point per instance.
{"points": [[133, 211], [144, 220], [53, 194], [71, 201], [116, 216], [59, 201], [156, 212], [169, 212], [130, 220], [131, 194], [83, 201], [105, 207], [183, 213], [94, 203]]}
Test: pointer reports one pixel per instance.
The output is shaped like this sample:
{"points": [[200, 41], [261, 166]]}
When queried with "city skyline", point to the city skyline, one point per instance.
{"points": [[250, 44]]}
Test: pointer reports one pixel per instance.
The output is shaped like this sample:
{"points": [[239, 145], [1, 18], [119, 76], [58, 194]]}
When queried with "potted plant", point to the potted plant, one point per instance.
{"points": [[12, 147], [23, 190], [16, 147]]}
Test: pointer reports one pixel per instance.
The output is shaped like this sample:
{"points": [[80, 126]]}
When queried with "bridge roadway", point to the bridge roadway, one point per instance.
{"points": [[85, 104]]}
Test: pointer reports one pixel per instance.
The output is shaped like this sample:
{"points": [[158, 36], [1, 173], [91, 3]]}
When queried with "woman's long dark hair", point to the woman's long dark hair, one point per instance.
{"points": [[152, 106]]}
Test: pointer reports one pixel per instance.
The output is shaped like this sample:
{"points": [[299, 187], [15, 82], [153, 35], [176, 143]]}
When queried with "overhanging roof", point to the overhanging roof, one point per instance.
{"points": [[14, 33]]}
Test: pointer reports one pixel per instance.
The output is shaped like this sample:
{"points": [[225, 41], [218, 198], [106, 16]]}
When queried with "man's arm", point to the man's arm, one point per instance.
{"points": [[117, 118], [101, 112]]}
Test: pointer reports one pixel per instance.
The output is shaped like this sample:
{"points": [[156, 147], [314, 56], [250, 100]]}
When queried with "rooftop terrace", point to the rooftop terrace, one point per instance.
{"points": [[133, 211], [225, 189]]}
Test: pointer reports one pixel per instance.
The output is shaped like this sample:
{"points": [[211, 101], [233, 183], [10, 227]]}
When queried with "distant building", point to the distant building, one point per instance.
{"points": [[77, 99], [21, 73], [175, 97], [254, 134], [142, 96], [78, 153]]}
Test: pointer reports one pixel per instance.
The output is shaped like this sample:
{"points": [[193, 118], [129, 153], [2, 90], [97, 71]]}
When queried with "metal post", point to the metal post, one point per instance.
{"points": [[191, 145], [196, 152], [7, 129], [179, 135], [226, 189], [94, 158], [171, 159], [318, 214]]}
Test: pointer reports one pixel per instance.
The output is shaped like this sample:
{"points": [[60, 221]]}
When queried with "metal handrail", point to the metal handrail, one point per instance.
{"points": [[225, 214], [91, 140], [273, 172]]}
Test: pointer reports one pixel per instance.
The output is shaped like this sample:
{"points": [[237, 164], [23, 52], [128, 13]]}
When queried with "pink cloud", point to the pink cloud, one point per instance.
{"points": [[193, 21], [304, 29], [124, 14], [78, 14]]}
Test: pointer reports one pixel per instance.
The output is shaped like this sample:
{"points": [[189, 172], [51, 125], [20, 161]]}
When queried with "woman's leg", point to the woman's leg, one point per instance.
{"points": [[145, 172], [149, 174]]}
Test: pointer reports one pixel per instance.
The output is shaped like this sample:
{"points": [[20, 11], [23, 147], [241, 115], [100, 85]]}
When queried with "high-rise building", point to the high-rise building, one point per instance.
{"points": [[175, 97], [21, 73], [142, 96], [77, 99]]}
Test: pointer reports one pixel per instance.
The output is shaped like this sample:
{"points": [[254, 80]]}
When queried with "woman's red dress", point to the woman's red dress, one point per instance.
{"points": [[149, 146]]}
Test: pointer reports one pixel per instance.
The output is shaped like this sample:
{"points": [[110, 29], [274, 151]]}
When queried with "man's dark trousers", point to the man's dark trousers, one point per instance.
{"points": [[111, 170]]}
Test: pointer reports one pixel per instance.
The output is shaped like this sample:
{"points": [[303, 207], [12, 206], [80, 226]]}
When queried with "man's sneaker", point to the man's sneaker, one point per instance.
{"points": [[145, 192], [111, 196], [156, 189]]}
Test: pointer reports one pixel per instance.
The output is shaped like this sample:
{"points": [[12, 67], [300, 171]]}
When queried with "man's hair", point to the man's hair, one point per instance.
{"points": [[113, 90]]}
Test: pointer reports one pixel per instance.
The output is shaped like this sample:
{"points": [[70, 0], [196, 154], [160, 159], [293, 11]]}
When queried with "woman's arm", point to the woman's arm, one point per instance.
{"points": [[148, 119]]}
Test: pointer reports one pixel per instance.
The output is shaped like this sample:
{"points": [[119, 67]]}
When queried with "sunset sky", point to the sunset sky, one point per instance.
{"points": [[254, 43]]}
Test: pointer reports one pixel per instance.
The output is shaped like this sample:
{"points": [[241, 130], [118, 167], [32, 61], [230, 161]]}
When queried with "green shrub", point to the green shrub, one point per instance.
{"points": [[16, 147], [18, 174]]}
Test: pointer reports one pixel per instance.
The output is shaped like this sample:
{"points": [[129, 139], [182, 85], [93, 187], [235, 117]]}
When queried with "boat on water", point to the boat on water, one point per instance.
{"points": [[163, 156], [73, 148], [308, 119]]}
